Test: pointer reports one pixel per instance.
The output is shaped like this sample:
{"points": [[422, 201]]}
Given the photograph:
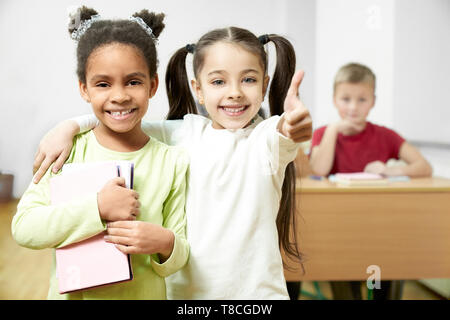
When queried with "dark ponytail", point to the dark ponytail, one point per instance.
{"points": [[281, 81], [181, 101], [282, 76]]}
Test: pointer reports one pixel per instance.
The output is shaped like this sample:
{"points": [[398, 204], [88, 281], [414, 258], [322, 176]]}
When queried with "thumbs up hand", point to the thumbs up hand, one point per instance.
{"points": [[296, 123]]}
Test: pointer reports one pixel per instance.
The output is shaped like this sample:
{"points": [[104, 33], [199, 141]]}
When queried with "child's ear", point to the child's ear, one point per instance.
{"points": [[83, 91], [198, 91], [154, 83], [265, 85]]}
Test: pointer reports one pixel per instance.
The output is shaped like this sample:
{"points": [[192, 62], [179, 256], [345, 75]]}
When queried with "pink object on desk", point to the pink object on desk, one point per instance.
{"points": [[91, 262], [358, 179], [359, 176]]}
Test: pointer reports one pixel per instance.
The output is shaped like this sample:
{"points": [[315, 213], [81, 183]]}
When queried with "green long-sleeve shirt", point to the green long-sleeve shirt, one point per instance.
{"points": [[159, 178]]}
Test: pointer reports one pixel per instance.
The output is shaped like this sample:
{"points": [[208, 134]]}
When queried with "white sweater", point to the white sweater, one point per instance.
{"points": [[234, 190]]}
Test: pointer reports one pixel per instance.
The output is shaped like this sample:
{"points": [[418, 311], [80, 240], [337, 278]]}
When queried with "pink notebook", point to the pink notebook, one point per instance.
{"points": [[359, 176], [359, 179], [92, 262]]}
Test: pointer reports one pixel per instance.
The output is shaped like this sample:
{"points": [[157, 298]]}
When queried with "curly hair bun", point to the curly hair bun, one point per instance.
{"points": [[153, 20], [81, 14]]}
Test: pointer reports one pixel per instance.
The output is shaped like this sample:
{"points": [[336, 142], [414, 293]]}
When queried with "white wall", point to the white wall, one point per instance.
{"points": [[422, 78], [38, 84], [354, 31], [301, 31], [422, 70]]}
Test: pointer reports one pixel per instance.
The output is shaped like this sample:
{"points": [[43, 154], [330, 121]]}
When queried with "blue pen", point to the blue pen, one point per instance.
{"points": [[316, 177]]}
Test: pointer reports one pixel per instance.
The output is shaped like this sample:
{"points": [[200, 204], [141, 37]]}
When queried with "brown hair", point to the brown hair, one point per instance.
{"points": [[103, 32], [354, 73], [181, 102]]}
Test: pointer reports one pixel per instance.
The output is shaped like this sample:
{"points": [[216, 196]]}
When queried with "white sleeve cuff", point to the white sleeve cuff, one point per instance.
{"points": [[86, 122]]}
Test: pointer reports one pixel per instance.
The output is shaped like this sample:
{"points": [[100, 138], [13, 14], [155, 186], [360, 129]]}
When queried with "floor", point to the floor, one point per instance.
{"points": [[413, 290], [24, 273]]}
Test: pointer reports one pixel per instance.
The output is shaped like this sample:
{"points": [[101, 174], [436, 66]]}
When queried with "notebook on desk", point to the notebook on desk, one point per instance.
{"points": [[92, 262], [358, 179]]}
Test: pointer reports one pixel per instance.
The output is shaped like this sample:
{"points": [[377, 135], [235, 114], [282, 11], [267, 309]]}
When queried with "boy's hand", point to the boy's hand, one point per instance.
{"points": [[348, 128], [296, 122], [377, 167], [116, 202], [55, 146], [139, 237]]}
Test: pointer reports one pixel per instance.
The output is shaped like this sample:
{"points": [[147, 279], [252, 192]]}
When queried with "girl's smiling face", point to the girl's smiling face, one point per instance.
{"points": [[118, 86], [231, 84]]}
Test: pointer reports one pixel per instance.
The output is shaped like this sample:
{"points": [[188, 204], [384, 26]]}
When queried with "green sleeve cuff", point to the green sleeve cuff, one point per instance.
{"points": [[176, 261]]}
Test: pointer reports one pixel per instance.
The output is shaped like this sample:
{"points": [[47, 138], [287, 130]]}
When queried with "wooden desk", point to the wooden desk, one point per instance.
{"points": [[404, 228]]}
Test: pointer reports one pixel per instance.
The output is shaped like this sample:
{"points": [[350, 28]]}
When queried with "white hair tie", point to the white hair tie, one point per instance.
{"points": [[86, 24], [144, 26]]}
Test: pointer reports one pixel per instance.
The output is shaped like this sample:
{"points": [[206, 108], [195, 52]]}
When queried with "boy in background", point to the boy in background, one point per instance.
{"points": [[354, 144]]}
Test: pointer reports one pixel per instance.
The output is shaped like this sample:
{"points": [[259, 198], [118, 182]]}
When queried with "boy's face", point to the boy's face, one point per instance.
{"points": [[354, 101], [118, 86]]}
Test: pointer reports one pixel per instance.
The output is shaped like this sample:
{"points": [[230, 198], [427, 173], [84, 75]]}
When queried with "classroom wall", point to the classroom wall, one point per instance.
{"points": [[354, 31], [421, 107], [421, 70], [300, 24]]}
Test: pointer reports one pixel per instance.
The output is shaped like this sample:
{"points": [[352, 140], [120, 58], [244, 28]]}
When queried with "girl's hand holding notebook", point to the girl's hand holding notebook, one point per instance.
{"points": [[116, 202], [139, 237]]}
